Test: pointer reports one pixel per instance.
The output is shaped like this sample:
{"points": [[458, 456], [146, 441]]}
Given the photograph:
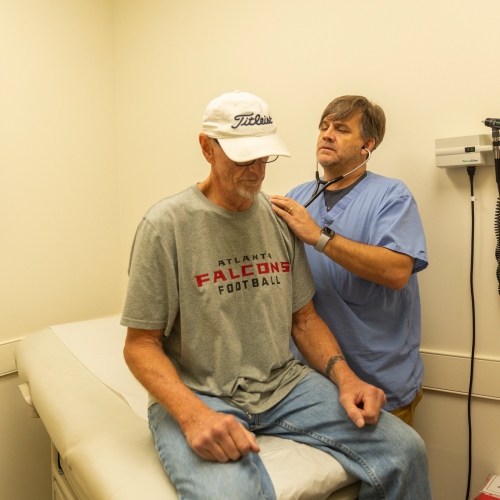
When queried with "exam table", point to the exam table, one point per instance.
{"points": [[75, 379]]}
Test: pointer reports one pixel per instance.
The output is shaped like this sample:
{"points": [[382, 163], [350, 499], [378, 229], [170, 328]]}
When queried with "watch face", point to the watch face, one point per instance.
{"points": [[329, 232]]}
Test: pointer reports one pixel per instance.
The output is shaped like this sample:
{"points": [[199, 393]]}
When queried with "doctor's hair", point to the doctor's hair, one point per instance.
{"points": [[372, 123]]}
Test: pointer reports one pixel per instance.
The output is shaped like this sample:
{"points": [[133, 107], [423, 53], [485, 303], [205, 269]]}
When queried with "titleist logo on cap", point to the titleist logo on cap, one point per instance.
{"points": [[242, 124], [248, 119]]}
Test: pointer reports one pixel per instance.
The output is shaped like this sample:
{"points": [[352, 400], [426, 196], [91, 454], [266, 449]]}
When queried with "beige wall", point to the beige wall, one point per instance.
{"points": [[81, 159], [432, 71], [419, 60], [59, 217], [59, 220]]}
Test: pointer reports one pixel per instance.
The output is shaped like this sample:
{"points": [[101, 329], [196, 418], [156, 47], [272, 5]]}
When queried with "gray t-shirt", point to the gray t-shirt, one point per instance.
{"points": [[224, 286]]}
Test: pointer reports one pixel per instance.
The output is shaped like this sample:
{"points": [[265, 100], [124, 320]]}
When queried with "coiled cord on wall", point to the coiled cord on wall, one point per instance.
{"points": [[471, 171], [497, 232]]}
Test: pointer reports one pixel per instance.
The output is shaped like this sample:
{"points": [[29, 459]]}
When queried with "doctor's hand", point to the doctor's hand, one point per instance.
{"points": [[361, 401], [297, 218], [218, 437]]}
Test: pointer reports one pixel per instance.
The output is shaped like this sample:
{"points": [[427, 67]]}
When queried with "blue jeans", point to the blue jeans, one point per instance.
{"points": [[389, 458]]}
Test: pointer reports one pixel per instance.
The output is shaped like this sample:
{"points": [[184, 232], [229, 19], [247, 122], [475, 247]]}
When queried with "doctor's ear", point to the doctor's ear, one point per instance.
{"points": [[369, 145]]}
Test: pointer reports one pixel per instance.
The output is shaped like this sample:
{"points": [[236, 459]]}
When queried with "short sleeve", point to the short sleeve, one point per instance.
{"points": [[152, 299], [303, 282], [398, 227]]}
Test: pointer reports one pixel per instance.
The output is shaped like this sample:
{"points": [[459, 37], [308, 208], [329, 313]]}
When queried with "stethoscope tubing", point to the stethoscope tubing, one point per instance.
{"points": [[325, 184]]}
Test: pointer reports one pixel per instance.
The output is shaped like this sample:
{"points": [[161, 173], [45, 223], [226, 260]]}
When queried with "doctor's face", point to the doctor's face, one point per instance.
{"points": [[340, 142]]}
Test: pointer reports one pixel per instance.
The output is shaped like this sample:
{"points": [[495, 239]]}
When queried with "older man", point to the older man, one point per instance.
{"points": [[365, 244], [217, 283]]}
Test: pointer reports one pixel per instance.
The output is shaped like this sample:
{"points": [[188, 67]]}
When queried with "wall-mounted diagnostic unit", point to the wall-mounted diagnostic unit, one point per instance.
{"points": [[473, 151], [470, 150]]}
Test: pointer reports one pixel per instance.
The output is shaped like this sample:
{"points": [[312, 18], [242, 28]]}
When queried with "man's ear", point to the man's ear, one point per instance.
{"points": [[207, 147]]}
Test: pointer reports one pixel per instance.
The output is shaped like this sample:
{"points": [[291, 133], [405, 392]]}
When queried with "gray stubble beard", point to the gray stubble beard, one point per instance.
{"points": [[245, 193]]}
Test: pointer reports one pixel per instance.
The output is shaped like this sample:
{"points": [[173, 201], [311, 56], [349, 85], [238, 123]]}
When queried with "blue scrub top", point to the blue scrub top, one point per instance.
{"points": [[378, 329]]}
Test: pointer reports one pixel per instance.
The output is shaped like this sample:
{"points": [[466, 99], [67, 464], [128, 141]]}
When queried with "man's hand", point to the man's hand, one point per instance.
{"points": [[361, 401], [298, 219], [218, 437], [212, 435]]}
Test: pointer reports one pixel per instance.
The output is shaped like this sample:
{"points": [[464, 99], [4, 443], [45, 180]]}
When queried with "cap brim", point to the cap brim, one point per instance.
{"points": [[250, 148]]}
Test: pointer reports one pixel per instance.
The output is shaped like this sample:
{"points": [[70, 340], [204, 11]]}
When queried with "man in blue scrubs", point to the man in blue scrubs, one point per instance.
{"points": [[365, 243]]}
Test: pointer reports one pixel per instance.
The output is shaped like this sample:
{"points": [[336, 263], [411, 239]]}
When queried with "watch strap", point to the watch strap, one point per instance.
{"points": [[323, 240]]}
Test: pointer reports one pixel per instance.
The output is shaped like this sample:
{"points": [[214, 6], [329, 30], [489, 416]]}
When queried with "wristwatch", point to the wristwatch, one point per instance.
{"points": [[326, 235]]}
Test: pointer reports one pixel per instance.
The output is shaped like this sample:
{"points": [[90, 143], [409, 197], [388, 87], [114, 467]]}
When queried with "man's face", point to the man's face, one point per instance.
{"points": [[340, 142], [236, 180]]}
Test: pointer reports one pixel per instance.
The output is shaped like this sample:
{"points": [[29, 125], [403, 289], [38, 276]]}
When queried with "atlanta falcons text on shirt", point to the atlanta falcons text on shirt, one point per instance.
{"points": [[250, 271]]}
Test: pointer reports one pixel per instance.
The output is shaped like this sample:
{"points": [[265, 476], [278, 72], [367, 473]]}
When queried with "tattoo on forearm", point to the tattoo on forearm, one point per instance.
{"points": [[330, 364]]}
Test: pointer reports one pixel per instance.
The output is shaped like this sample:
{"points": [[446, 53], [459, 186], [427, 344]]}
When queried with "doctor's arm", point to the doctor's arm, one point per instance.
{"points": [[377, 264], [212, 435], [317, 344]]}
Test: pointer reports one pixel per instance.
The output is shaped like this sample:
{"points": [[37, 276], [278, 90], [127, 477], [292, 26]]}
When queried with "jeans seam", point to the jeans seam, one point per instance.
{"points": [[339, 447]]}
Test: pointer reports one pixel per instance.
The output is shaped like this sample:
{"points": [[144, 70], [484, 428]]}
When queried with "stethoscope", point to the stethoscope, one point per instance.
{"points": [[325, 184]]}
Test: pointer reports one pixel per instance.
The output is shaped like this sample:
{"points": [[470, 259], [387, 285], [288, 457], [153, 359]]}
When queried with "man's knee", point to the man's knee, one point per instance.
{"points": [[409, 442], [419, 450]]}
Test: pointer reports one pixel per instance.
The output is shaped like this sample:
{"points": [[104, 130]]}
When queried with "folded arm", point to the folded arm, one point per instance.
{"points": [[212, 435], [317, 344]]}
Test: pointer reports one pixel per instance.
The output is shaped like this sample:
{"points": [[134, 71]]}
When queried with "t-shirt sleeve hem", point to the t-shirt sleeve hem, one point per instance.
{"points": [[307, 298], [142, 324]]}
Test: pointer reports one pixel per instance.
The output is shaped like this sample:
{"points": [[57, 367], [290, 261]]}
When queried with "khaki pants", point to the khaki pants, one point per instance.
{"points": [[406, 413]]}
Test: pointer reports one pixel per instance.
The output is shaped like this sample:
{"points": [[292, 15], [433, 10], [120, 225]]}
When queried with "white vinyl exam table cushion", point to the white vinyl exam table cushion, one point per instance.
{"points": [[95, 412]]}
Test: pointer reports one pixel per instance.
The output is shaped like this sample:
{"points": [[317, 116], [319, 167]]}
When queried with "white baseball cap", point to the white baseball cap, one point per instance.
{"points": [[243, 126]]}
